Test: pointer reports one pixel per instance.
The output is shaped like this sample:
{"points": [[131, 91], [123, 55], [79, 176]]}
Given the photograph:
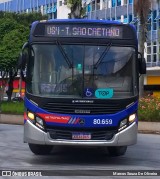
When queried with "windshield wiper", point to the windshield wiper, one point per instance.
{"points": [[64, 54], [103, 55]]}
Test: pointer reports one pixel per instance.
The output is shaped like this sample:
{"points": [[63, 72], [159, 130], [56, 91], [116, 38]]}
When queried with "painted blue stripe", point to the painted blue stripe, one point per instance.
{"points": [[70, 121], [74, 119]]}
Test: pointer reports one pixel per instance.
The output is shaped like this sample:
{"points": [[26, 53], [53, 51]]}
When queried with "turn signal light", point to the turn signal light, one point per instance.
{"points": [[30, 115]]}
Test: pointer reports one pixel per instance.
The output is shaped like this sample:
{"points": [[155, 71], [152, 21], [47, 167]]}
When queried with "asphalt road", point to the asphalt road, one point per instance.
{"points": [[14, 154]]}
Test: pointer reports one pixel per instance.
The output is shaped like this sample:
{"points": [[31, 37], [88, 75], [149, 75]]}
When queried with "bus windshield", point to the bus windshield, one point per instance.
{"points": [[78, 71]]}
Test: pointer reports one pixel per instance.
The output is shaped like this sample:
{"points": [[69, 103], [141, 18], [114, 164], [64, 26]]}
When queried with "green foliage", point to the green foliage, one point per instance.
{"points": [[12, 107], [71, 3], [149, 109], [14, 32], [27, 19], [6, 26], [11, 46], [77, 11]]}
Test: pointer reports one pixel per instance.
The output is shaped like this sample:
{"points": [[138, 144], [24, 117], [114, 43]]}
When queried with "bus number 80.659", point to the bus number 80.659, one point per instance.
{"points": [[102, 121]]}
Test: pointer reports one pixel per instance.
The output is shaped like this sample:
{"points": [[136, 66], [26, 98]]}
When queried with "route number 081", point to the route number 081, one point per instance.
{"points": [[102, 121]]}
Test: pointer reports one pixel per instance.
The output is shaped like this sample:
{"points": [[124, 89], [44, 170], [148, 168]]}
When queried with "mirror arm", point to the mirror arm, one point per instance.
{"points": [[22, 76], [140, 54], [26, 44]]}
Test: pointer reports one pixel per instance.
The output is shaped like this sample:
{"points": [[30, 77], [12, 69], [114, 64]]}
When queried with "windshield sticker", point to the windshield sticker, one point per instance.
{"points": [[53, 88], [104, 93], [89, 92]]}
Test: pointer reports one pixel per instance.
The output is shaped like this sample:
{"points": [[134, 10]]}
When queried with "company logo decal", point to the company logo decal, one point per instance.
{"points": [[59, 119], [55, 118], [82, 111], [82, 101], [81, 121]]}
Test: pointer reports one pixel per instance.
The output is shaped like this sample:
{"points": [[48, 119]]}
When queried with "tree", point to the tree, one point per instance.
{"points": [[14, 31], [27, 18], [9, 53], [77, 11], [142, 8], [6, 25]]}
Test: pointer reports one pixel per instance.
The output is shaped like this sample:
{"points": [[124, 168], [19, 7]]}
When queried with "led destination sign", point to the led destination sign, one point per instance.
{"points": [[83, 31]]}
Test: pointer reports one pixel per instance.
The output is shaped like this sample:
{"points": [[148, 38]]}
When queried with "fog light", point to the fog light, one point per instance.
{"points": [[123, 124], [30, 115], [39, 121], [132, 118]]}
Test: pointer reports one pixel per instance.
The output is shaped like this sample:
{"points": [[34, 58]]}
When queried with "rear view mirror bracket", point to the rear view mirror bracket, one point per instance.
{"points": [[142, 64], [22, 59]]}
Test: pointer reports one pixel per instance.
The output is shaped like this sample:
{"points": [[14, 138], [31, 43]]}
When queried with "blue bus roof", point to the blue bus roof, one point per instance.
{"points": [[85, 21]]}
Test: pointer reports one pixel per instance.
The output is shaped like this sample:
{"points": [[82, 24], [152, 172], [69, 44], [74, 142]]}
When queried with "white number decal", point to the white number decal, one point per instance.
{"points": [[102, 121]]}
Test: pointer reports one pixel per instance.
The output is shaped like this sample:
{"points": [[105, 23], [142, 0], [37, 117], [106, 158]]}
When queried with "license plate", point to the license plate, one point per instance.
{"points": [[81, 136]]}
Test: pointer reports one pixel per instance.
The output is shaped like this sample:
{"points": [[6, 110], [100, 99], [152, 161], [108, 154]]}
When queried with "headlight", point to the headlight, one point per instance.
{"points": [[31, 115], [132, 118]]}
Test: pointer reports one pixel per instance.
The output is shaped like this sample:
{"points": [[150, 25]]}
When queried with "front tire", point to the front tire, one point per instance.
{"points": [[40, 149], [117, 151]]}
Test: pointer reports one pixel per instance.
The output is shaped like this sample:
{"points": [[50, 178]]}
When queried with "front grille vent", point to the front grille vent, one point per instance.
{"points": [[65, 108]]}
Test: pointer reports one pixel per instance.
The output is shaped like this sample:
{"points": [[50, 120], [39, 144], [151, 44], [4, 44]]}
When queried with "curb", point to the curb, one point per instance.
{"points": [[11, 119], [143, 127], [153, 127]]}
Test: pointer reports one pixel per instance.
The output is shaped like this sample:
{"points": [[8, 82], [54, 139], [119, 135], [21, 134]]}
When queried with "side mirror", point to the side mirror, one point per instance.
{"points": [[23, 56], [142, 65]]}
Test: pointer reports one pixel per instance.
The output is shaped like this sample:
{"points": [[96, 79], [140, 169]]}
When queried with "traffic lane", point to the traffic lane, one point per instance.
{"points": [[14, 154]]}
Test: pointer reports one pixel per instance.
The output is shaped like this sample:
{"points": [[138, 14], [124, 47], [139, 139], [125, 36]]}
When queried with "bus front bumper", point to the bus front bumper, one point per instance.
{"points": [[33, 134]]}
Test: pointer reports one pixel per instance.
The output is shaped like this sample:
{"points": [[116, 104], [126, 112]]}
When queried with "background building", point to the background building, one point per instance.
{"points": [[53, 8], [24, 6]]}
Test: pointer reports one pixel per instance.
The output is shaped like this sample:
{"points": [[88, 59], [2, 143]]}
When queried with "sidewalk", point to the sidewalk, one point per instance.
{"points": [[143, 127]]}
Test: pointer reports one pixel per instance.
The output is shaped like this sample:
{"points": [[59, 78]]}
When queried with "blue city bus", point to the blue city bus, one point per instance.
{"points": [[82, 85]]}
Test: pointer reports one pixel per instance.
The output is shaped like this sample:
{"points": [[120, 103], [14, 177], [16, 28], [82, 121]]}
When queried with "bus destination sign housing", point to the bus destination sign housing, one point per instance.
{"points": [[81, 30]]}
